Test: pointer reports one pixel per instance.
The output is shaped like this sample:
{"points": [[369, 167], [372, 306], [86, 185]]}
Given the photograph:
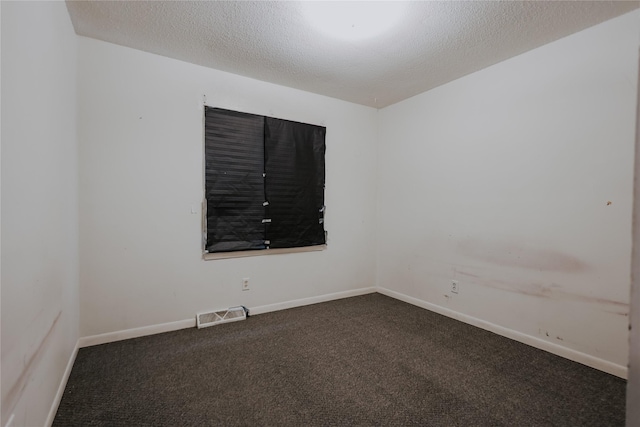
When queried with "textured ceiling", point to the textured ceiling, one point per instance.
{"points": [[435, 42]]}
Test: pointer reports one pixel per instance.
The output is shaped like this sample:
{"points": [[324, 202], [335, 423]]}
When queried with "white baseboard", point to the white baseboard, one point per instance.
{"points": [[567, 353], [136, 332], [191, 323], [311, 300], [63, 384], [10, 421]]}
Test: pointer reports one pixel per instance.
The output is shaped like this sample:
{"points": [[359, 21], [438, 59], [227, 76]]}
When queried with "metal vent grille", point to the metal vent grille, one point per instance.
{"points": [[210, 318]]}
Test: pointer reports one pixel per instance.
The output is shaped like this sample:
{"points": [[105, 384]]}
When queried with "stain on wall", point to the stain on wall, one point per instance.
{"points": [[519, 255], [550, 291]]}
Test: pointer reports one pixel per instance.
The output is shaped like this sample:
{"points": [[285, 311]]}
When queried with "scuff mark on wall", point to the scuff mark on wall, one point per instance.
{"points": [[519, 255], [551, 291], [546, 334], [15, 392], [619, 313], [475, 276]]}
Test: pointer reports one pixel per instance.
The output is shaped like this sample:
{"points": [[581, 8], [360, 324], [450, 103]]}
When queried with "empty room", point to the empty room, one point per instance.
{"points": [[319, 213]]}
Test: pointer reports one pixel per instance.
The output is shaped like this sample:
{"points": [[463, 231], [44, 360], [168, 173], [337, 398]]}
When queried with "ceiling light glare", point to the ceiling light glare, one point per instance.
{"points": [[353, 20]]}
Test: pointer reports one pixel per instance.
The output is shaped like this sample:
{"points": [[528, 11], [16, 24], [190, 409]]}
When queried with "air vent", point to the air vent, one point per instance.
{"points": [[210, 318]]}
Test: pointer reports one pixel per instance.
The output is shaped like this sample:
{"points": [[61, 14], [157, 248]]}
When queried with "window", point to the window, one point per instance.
{"points": [[264, 182]]}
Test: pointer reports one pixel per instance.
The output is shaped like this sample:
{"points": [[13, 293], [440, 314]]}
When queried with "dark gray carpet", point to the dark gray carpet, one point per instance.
{"points": [[368, 360]]}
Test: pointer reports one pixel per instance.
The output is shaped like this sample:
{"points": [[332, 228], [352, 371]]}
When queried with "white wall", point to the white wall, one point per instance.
{"points": [[39, 206], [633, 387], [140, 129], [501, 180]]}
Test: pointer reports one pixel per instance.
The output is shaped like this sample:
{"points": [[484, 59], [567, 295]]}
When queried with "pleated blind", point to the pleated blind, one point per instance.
{"points": [[264, 182], [234, 183], [294, 166]]}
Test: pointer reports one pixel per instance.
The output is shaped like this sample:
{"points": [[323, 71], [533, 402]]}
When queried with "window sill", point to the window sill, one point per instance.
{"points": [[243, 254]]}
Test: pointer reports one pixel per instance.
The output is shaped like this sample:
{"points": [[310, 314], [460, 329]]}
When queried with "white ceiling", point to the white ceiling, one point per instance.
{"points": [[434, 43]]}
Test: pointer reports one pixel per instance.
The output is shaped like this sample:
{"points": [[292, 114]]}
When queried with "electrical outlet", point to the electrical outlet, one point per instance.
{"points": [[454, 287], [245, 284]]}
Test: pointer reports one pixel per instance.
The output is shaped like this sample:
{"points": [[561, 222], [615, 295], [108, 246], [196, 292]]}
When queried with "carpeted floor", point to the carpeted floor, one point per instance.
{"points": [[368, 360]]}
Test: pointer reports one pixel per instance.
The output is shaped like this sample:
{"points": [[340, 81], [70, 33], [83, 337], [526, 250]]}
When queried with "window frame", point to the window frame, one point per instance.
{"points": [[208, 256]]}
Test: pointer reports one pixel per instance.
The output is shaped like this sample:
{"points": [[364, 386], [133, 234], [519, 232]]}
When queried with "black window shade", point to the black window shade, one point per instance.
{"points": [[294, 166], [234, 153], [264, 182]]}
